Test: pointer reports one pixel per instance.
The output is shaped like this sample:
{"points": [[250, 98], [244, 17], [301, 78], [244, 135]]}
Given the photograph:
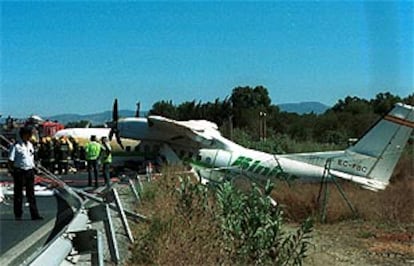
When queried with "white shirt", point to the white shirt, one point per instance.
{"points": [[22, 155]]}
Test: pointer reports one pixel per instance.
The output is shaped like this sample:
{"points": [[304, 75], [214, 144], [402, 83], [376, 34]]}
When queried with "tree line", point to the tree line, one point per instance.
{"points": [[243, 112]]}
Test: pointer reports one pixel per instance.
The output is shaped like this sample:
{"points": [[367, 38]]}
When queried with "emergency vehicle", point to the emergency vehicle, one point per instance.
{"points": [[9, 132]]}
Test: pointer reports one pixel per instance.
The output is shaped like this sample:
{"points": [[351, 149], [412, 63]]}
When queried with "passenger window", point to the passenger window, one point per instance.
{"points": [[128, 148]]}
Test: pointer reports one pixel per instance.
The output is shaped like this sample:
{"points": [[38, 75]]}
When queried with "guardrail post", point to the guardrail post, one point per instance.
{"points": [[112, 206], [89, 241], [113, 195], [98, 257], [140, 186], [102, 213], [134, 191], [110, 233]]}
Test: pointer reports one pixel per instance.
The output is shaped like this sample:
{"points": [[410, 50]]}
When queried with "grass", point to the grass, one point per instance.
{"points": [[170, 238], [193, 225], [392, 205]]}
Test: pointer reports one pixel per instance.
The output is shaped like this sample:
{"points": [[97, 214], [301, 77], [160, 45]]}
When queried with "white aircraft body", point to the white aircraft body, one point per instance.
{"points": [[120, 155], [369, 162], [83, 134]]}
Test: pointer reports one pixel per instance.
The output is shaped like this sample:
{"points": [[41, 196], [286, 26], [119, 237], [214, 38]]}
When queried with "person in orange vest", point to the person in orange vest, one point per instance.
{"points": [[92, 150]]}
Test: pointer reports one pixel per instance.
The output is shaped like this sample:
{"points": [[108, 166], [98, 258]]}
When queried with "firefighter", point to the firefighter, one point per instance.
{"points": [[41, 153], [49, 154], [75, 152], [63, 156], [82, 157], [36, 145]]}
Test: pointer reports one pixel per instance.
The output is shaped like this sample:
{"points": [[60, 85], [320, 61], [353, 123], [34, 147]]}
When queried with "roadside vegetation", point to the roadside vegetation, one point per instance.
{"points": [[193, 225], [393, 206], [197, 225]]}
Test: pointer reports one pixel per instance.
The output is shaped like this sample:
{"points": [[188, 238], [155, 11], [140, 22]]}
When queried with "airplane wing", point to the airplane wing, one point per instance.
{"points": [[200, 132]]}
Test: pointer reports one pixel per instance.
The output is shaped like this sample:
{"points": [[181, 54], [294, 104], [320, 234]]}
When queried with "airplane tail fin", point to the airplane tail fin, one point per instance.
{"points": [[372, 159]]}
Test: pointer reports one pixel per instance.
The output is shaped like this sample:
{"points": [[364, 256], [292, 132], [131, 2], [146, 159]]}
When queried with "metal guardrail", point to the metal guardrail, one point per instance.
{"points": [[75, 219], [70, 231], [61, 245]]}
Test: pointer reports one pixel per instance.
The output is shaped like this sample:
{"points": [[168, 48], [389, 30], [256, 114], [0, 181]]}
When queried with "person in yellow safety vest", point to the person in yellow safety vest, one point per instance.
{"points": [[106, 160], [92, 150]]}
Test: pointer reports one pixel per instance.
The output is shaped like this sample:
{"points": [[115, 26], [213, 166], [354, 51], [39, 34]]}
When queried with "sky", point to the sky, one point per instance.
{"points": [[76, 57]]}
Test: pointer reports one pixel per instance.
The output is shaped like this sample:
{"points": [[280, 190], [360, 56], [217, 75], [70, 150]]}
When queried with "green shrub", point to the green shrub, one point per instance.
{"points": [[195, 224], [252, 228]]}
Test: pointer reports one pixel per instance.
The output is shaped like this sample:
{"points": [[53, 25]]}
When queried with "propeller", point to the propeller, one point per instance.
{"points": [[114, 125]]}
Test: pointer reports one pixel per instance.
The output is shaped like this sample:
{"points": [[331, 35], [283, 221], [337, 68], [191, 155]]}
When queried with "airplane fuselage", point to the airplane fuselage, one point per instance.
{"points": [[216, 157], [369, 162], [252, 164], [229, 159]]}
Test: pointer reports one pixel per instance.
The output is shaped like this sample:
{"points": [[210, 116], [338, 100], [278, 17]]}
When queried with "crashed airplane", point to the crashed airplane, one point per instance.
{"points": [[369, 162]]}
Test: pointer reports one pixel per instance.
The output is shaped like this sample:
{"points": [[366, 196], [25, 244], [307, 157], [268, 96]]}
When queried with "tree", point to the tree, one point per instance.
{"points": [[187, 110], [409, 99], [353, 105], [164, 108], [247, 103], [247, 97], [383, 102], [78, 124]]}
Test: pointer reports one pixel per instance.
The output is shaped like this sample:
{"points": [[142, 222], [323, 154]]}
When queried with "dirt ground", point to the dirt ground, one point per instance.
{"points": [[357, 242]]}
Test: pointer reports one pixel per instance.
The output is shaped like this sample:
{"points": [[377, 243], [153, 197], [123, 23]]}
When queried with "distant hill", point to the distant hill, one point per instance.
{"points": [[95, 119], [304, 107], [101, 118]]}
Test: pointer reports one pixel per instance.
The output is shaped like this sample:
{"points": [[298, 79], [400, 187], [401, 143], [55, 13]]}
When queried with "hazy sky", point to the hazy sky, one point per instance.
{"points": [[75, 57]]}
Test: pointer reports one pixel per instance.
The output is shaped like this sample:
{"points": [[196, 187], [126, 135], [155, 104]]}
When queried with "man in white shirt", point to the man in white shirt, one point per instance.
{"points": [[21, 162]]}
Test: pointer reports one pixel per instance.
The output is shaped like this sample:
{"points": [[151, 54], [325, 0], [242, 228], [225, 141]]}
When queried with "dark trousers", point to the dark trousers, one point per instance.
{"points": [[49, 164], [105, 172], [92, 164], [63, 166], [24, 178]]}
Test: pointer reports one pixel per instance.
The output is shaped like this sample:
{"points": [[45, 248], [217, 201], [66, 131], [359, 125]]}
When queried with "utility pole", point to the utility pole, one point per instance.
{"points": [[262, 126]]}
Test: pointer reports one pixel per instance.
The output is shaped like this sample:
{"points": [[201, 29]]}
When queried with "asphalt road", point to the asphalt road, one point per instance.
{"points": [[18, 236], [27, 234], [13, 232]]}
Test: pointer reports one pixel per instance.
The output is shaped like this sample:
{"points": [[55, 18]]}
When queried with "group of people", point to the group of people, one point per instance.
{"points": [[57, 154], [98, 151], [64, 154], [22, 157]]}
